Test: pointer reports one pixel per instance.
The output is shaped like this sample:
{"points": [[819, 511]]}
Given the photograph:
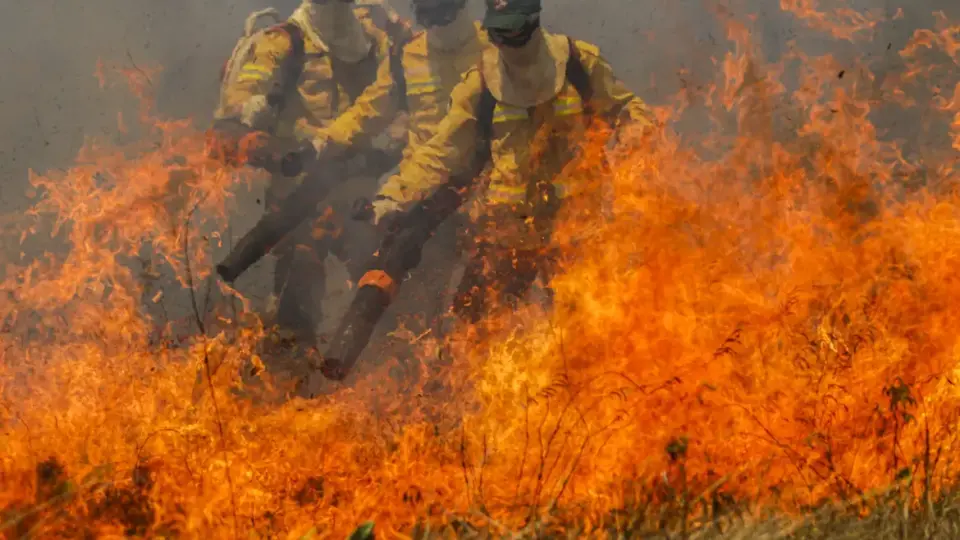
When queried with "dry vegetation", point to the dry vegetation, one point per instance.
{"points": [[757, 340], [75, 508]]}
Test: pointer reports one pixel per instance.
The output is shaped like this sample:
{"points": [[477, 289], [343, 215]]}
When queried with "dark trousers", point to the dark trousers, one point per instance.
{"points": [[299, 281], [299, 278], [497, 278]]}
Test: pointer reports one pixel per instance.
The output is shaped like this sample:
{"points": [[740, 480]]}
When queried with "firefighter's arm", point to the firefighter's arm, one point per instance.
{"points": [[246, 96], [373, 111], [450, 151], [370, 114], [610, 95]]}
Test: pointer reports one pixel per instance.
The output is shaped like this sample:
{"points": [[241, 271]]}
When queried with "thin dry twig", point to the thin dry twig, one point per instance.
{"points": [[208, 371]]}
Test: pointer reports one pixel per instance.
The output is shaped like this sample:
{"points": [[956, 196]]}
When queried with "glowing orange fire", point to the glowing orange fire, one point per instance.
{"points": [[770, 312]]}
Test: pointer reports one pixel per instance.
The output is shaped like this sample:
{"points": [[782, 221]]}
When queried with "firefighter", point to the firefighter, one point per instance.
{"points": [[432, 63], [430, 66], [319, 61], [527, 100]]}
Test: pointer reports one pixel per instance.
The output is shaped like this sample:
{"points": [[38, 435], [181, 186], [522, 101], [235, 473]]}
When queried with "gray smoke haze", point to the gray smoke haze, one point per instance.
{"points": [[50, 100], [49, 97]]}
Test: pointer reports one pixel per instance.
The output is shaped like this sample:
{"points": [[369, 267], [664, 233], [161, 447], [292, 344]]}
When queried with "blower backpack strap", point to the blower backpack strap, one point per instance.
{"points": [[579, 78], [291, 67], [399, 77], [399, 32]]}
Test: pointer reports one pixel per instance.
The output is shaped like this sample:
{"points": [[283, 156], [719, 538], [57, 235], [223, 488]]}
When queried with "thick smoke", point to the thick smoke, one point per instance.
{"points": [[50, 99]]}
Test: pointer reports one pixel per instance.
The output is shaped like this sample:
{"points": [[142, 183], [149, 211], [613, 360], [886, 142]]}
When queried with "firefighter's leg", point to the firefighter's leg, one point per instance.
{"points": [[435, 276], [469, 308], [470, 300], [491, 280], [517, 272], [299, 276], [299, 282], [356, 241], [547, 267], [494, 278]]}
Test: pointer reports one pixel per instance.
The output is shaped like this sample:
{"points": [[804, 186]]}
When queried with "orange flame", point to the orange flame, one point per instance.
{"points": [[768, 311]]}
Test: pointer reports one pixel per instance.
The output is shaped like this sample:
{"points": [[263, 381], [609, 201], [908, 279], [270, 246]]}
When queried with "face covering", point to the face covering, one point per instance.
{"points": [[431, 13], [518, 38], [338, 27], [453, 35]]}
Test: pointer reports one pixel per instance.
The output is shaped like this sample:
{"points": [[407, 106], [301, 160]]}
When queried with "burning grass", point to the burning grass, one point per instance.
{"points": [[764, 319]]}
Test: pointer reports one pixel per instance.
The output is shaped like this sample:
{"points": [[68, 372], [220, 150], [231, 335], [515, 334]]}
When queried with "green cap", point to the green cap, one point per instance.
{"points": [[509, 15]]}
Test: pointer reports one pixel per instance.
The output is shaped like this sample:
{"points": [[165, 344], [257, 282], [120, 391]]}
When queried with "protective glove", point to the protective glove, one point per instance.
{"points": [[258, 114], [320, 144], [383, 209], [382, 213]]}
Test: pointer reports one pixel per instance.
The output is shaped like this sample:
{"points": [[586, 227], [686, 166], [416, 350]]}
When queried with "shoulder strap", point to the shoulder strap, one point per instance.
{"points": [[399, 79], [399, 34], [396, 27], [485, 109], [397, 73], [578, 77], [291, 67]]}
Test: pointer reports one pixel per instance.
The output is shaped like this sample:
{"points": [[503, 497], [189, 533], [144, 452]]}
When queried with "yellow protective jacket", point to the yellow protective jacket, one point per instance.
{"points": [[429, 77], [520, 155], [326, 87]]}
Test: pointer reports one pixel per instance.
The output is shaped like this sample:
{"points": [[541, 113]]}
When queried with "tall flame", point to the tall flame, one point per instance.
{"points": [[767, 311]]}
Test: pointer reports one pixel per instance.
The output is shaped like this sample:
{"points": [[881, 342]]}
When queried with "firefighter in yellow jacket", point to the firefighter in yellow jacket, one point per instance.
{"points": [[533, 88], [320, 61], [430, 66]]}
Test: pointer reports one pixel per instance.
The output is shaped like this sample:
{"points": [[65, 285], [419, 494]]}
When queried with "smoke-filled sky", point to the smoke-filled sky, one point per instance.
{"points": [[49, 97]]}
